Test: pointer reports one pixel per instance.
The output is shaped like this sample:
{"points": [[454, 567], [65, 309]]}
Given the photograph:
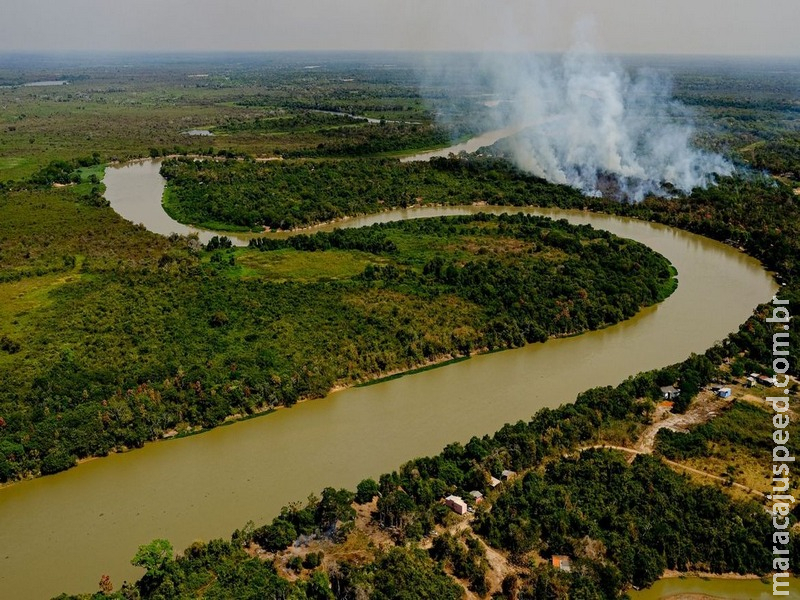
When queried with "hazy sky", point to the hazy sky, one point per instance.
{"points": [[747, 27]]}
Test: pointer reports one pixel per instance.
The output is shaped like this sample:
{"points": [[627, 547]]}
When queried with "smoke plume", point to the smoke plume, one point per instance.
{"points": [[587, 122]]}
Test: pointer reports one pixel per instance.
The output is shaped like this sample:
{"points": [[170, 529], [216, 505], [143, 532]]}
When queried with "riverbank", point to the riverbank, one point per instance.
{"points": [[669, 574]]}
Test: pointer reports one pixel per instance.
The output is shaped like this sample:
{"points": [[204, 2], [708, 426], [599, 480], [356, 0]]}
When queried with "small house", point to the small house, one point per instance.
{"points": [[477, 496], [670, 392], [456, 504], [724, 392], [507, 475], [562, 563], [764, 380], [751, 381], [493, 482]]}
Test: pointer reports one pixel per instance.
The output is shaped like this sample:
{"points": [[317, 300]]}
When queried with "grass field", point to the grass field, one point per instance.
{"points": [[285, 265], [149, 108], [20, 303]]}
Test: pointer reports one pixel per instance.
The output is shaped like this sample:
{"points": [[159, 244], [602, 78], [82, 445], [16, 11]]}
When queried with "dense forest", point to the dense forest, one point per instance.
{"points": [[167, 340], [297, 193]]}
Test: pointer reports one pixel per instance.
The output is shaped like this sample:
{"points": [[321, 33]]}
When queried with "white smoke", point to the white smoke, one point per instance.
{"points": [[589, 120], [589, 123]]}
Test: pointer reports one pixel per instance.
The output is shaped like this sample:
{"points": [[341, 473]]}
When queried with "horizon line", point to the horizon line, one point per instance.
{"points": [[212, 52]]}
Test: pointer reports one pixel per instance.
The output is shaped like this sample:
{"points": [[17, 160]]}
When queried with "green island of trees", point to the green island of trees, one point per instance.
{"points": [[229, 194], [175, 338]]}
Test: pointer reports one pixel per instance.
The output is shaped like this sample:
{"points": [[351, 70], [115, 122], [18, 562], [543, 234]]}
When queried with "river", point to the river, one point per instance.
{"points": [[471, 145], [696, 587], [62, 532]]}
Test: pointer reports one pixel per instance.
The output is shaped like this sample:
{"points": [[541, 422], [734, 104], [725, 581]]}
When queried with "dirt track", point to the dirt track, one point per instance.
{"points": [[705, 407]]}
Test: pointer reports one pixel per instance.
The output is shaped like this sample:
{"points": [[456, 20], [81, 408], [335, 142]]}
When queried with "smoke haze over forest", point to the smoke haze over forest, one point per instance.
{"points": [[588, 120]]}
